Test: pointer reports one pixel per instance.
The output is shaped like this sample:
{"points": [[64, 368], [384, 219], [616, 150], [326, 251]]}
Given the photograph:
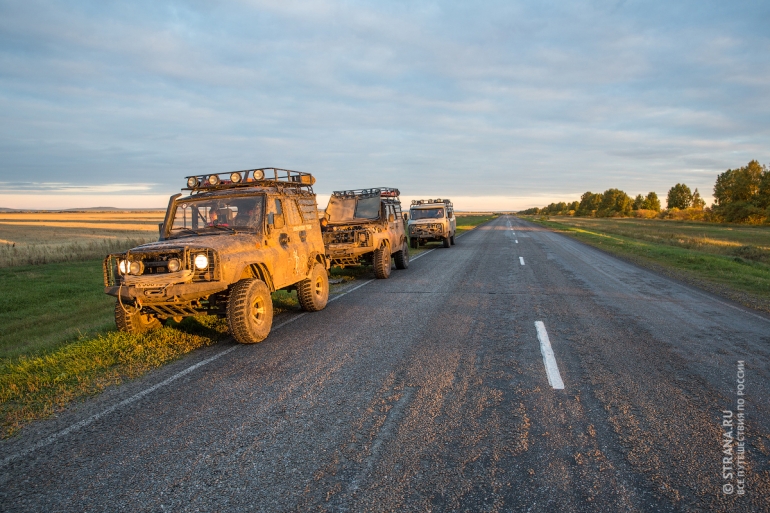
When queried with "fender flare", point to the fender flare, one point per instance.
{"points": [[257, 270]]}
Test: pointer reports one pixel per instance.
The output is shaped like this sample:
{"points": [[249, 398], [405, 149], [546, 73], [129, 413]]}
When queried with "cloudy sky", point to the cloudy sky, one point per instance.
{"points": [[500, 105]]}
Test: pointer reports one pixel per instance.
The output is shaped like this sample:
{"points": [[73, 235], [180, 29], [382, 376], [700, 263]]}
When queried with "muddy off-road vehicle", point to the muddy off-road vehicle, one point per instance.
{"points": [[431, 220], [365, 226], [223, 249]]}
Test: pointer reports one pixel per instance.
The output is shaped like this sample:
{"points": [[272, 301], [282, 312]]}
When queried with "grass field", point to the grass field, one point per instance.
{"points": [[46, 237], [58, 341], [731, 260]]}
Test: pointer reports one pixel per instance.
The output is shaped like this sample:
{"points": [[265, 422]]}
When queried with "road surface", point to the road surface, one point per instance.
{"points": [[516, 371]]}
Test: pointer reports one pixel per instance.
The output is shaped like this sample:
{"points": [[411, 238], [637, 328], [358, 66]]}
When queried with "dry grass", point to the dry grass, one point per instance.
{"points": [[31, 238]]}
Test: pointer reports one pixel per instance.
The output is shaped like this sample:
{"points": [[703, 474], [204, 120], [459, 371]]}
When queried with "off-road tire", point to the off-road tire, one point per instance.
{"points": [[250, 311], [313, 293], [452, 239], [402, 257], [413, 242], [130, 320], [382, 263], [446, 242]]}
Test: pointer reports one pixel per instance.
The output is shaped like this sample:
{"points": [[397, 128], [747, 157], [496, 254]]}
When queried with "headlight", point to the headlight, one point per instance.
{"points": [[173, 265], [136, 267], [201, 261], [123, 267], [192, 182], [213, 180]]}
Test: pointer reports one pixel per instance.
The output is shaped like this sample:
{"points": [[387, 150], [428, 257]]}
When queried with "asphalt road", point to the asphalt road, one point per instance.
{"points": [[429, 392]]}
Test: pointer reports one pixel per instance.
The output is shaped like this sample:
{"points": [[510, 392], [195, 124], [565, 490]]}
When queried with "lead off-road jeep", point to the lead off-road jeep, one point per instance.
{"points": [[432, 219], [365, 226], [223, 249]]}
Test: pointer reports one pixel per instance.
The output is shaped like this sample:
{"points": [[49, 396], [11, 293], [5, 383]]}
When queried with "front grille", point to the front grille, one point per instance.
{"points": [[155, 264], [358, 237]]}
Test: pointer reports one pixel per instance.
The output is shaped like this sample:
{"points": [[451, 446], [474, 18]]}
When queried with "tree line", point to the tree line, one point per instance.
{"points": [[741, 195]]}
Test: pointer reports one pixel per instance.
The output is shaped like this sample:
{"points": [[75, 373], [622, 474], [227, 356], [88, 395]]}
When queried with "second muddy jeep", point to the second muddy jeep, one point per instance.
{"points": [[365, 226], [223, 249]]}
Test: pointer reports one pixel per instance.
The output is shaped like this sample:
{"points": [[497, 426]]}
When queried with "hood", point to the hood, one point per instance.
{"points": [[228, 241]]}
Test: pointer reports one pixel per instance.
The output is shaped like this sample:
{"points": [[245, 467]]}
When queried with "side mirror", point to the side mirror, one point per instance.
{"points": [[406, 216], [160, 231], [391, 218]]}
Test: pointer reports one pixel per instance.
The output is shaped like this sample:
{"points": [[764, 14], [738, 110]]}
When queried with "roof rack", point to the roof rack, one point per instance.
{"points": [[264, 176], [427, 201], [383, 192]]}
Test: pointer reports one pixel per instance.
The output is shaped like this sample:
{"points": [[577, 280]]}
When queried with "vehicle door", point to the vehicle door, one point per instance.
{"points": [[300, 245], [279, 242], [393, 232]]}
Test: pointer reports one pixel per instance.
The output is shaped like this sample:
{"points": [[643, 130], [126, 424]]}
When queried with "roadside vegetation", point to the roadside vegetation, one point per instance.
{"points": [[729, 259], [741, 195], [59, 342]]}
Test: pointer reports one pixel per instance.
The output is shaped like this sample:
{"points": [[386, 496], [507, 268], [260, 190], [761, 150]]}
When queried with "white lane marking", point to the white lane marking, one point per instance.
{"points": [[516, 241], [549, 360], [434, 249], [521, 260], [93, 418]]}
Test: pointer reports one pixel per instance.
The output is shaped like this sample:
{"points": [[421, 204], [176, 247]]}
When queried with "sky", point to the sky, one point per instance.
{"points": [[496, 105]]}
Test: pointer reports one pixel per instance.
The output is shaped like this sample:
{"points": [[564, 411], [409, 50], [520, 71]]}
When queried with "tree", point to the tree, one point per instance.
{"points": [[639, 202], [743, 195], [679, 196], [652, 202], [573, 206], [589, 203], [740, 184], [697, 201], [614, 203]]}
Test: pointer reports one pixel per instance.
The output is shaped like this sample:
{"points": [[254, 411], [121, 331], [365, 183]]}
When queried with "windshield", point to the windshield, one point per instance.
{"points": [[349, 209], [427, 213], [233, 213]]}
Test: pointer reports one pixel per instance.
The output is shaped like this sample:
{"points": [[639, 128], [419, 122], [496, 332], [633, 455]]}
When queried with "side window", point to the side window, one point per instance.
{"points": [[292, 212], [275, 212], [308, 209]]}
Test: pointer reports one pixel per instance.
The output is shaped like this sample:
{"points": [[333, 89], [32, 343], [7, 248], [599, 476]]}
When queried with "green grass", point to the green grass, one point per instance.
{"points": [[43, 306], [727, 259]]}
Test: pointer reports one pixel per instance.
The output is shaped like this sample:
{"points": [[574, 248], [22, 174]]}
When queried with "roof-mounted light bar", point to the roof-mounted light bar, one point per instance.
{"points": [[250, 177], [383, 192], [429, 201]]}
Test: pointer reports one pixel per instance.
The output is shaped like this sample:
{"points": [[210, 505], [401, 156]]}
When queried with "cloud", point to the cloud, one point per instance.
{"points": [[503, 98]]}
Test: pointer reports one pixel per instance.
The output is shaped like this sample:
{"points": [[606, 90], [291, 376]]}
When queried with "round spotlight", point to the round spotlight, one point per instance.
{"points": [[192, 182], [235, 177], [136, 267], [123, 267], [213, 180], [201, 261], [173, 265], [259, 174]]}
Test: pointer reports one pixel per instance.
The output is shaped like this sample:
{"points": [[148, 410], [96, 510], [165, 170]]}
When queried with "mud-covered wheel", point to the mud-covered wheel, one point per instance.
{"points": [[250, 311], [313, 293], [131, 320], [382, 263], [446, 242], [402, 257], [452, 239], [413, 242]]}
